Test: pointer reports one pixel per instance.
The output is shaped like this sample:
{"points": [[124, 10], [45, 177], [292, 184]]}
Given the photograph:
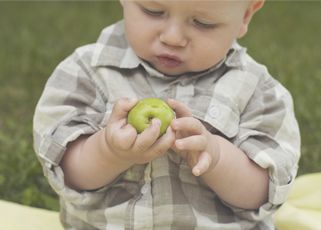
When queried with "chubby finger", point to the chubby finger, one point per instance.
{"points": [[148, 137], [127, 137], [121, 108], [191, 143], [181, 110], [163, 144], [121, 135], [188, 125], [203, 164]]}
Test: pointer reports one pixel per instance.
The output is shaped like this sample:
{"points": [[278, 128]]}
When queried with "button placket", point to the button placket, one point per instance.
{"points": [[145, 189], [184, 92], [147, 178]]}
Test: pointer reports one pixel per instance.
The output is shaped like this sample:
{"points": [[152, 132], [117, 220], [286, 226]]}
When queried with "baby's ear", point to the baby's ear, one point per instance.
{"points": [[253, 7]]}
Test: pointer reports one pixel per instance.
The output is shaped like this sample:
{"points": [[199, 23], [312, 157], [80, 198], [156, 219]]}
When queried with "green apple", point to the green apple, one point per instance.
{"points": [[141, 115]]}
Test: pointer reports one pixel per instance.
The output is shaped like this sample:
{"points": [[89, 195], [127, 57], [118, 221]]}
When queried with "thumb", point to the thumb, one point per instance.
{"points": [[181, 110], [121, 109]]}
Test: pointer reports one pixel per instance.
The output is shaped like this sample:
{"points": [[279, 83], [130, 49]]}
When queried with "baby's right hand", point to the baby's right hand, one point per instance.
{"points": [[129, 147]]}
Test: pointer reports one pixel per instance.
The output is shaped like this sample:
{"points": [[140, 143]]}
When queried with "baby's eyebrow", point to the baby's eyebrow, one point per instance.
{"points": [[154, 1]]}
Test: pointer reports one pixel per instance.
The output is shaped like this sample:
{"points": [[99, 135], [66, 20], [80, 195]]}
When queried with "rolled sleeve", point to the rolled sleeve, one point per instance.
{"points": [[282, 166], [70, 106], [269, 135], [50, 152]]}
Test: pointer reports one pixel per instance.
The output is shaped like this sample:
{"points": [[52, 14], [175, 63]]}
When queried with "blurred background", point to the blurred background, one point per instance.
{"points": [[35, 36]]}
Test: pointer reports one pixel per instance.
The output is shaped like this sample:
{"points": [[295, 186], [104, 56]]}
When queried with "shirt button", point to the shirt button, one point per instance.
{"points": [[214, 112], [144, 189]]}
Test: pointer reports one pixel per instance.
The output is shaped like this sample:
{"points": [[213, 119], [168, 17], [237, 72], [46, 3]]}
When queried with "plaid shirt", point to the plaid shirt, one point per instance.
{"points": [[236, 99]]}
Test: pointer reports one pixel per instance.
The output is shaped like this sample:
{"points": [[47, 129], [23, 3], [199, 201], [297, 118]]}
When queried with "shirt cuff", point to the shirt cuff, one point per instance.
{"points": [[81, 199], [279, 193]]}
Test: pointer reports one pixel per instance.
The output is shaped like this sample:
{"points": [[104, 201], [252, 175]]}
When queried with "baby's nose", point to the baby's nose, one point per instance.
{"points": [[173, 35]]}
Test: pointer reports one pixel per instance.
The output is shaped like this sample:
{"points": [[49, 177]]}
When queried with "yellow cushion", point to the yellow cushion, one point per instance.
{"points": [[19, 217], [302, 210]]}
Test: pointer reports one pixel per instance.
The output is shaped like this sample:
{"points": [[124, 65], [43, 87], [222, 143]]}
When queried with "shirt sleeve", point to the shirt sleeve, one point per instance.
{"points": [[70, 105], [269, 135]]}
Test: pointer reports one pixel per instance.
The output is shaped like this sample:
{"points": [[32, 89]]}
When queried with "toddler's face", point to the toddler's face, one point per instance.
{"points": [[180, 36]]}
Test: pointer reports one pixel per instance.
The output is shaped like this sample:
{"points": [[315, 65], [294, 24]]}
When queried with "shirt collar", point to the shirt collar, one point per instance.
{"points": [[235, 56], [112, 49]]}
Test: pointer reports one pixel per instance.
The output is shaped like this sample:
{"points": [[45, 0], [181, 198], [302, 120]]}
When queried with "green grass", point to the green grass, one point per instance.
{"points": [[36, 36], [286, 37]]}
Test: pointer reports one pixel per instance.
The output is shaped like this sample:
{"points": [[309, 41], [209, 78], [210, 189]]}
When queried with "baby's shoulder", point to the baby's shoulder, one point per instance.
{"points": [[267, 84]]}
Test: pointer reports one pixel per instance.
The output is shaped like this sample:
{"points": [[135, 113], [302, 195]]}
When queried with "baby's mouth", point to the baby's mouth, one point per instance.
{"points": [[169, 61]]}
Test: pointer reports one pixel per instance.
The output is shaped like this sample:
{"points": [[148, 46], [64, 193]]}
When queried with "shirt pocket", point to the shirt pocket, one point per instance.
{"points": [[223, 117], [229, 99]]}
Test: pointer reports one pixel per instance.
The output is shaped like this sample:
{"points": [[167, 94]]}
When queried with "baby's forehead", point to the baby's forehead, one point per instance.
{"points": [[213, 8], [216, 3]]}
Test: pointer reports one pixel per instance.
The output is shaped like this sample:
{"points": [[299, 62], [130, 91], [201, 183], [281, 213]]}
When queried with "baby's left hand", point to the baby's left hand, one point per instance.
{"points": [[193, 141]]}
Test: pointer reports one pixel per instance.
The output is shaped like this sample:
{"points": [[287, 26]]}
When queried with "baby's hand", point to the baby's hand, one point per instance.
{"points": [[123, 141], [193, 142]]}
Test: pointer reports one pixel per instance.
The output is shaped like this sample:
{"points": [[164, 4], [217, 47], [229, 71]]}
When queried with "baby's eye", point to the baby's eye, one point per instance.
{"points": [[204, 25], [152, 12]]}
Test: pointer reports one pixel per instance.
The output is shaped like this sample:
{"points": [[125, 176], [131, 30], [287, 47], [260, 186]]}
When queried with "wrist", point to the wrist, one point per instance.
{"points": [[215, 150]]}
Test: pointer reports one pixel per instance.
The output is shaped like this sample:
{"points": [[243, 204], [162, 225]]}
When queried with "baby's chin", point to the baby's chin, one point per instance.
{"points": [[177, 73], [174, 72]]}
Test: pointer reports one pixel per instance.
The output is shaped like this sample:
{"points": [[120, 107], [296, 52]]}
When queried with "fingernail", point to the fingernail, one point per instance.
{"points": [[156, 122], [170, 100], [196, 172]]}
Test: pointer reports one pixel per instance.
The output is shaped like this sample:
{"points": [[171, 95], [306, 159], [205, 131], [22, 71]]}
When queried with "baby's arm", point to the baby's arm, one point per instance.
{"points": [[235, 178], [223, 166], [93, 161]]}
